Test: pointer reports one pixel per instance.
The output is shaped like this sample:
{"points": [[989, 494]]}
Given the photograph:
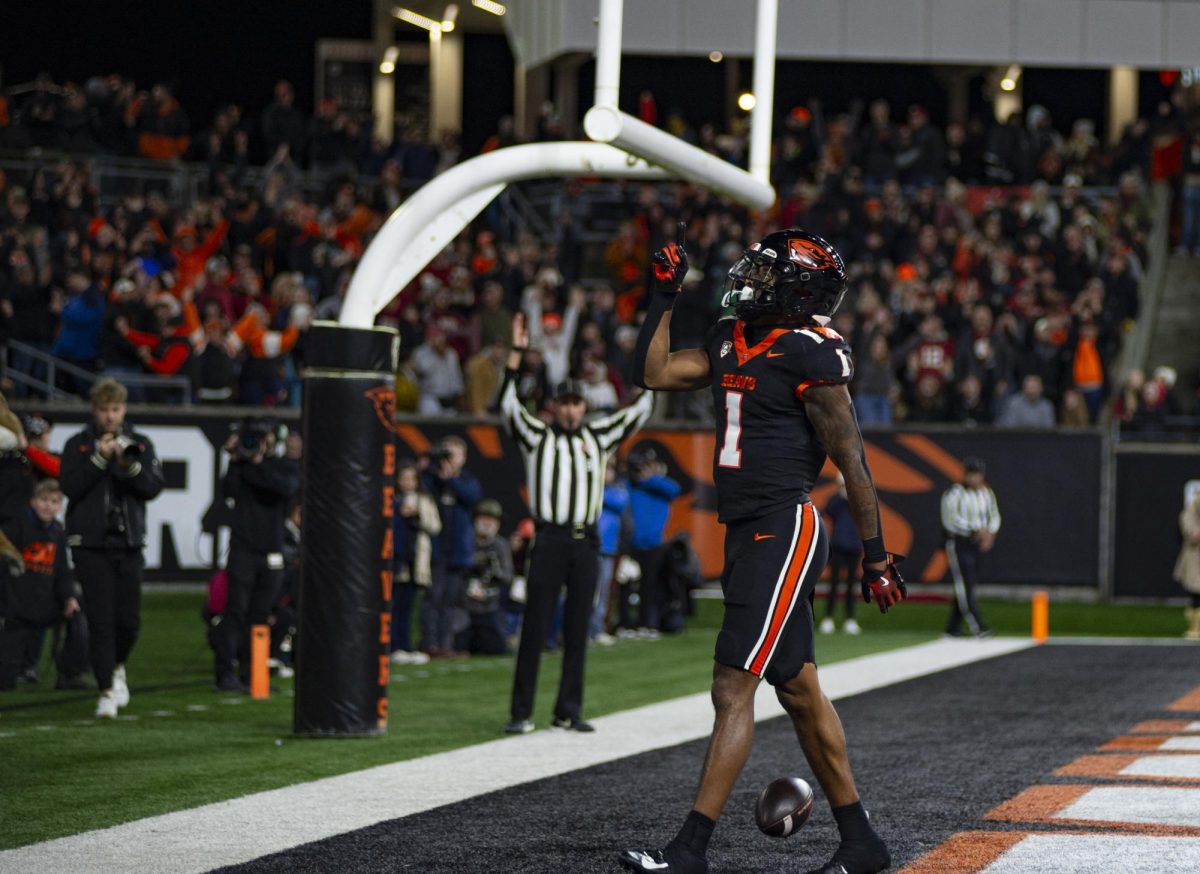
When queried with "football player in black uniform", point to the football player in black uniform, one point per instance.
{"points": [[778, 375]]}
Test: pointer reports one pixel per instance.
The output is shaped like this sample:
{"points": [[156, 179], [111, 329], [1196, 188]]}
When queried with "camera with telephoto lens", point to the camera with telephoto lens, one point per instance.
{"points": [[250, 436], [129, 448], [436, 455]]}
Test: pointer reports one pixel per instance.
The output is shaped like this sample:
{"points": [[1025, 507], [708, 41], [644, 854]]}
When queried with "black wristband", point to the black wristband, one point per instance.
{"points": [[873, 550], [660, 304]]}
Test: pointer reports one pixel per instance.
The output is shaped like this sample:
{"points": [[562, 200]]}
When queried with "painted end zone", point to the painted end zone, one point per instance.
{"points": [[1189, 703], [1166, 726], [982, 852], [1146, 809], [1157, 743], [965, 853], [1172, 768]]}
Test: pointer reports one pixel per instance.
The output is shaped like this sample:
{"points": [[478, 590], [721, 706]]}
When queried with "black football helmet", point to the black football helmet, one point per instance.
{"points": [[787, 273]]}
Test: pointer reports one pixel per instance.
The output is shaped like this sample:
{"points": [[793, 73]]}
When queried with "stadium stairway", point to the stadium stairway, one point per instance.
{"points": [[1173, 334]]}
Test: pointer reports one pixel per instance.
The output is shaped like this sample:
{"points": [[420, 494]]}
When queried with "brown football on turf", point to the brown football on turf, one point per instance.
{"points": [[783, 806]]}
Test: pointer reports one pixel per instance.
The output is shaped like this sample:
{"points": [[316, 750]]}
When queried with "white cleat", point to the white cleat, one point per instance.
{"points": [[120, 689], [851, 627], [106, 708], [827, 626]]}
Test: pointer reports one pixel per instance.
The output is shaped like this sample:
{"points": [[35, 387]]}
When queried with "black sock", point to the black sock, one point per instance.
{"points": [[852, 822], [696, 832]]}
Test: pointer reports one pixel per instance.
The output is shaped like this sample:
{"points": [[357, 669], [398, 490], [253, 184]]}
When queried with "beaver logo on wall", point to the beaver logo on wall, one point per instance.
{"points": [[384, 400]]}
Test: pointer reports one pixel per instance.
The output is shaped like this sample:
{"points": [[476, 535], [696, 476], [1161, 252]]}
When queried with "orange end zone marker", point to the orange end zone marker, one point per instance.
{"points": [[1041, 616], [260, 649]]}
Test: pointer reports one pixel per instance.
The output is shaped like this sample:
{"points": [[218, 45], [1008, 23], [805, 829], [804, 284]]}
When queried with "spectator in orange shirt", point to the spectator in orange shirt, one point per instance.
{"points": [[191, 256]]}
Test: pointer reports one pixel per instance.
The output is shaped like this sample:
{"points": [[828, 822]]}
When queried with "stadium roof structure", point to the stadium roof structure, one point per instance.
{"points": [[1053, 33]]}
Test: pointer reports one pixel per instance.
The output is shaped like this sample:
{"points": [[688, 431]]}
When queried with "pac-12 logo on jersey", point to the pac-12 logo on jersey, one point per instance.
{"points": [[725, 347]]}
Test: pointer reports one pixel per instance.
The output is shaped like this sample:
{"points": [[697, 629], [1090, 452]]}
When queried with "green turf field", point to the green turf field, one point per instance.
{"points": [[179, 744]]}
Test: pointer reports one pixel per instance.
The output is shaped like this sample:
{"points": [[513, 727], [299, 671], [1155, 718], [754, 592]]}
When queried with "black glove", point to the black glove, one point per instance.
{"points": [[884, 586], [671, 263]]}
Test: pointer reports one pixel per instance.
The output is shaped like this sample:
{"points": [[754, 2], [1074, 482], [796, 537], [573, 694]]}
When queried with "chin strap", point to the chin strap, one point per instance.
{"points": [[735, 296]]}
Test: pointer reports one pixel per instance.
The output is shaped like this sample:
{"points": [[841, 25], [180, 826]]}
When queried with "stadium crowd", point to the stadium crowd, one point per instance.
{"points": [[1003, 304]]}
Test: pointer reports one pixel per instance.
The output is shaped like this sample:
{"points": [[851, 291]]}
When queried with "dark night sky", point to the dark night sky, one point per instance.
{"points": [[222, 51], [218, 51]]}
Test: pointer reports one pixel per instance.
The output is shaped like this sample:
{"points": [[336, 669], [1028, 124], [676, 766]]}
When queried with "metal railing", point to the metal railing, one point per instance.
{"points": [[47, 384]]}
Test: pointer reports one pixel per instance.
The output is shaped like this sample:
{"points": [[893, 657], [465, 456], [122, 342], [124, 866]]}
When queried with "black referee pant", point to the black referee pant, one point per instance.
{"points": [[962, 554], [562, 555]]}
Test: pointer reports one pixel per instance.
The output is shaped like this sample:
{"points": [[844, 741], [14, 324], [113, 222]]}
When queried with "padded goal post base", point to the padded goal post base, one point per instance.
{"points": [[344, 610]]}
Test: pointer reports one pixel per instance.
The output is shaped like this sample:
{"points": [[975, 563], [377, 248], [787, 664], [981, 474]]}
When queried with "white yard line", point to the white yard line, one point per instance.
{"points": [[268, 822]]}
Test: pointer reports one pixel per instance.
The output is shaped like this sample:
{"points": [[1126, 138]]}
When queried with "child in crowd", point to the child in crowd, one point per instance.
{"points": [[46, 592]]}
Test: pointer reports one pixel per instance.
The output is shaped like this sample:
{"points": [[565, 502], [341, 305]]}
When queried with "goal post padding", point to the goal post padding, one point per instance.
{"points": [[345, 593]]}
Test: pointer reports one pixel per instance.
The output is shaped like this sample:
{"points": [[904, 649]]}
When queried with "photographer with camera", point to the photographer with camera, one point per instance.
{"points": [[456, 493], [109, 472], [489, 579], [258, 487]]}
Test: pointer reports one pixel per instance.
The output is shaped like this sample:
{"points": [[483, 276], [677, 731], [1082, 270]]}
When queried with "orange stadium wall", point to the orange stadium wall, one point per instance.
{"points": [[1049, 486]]}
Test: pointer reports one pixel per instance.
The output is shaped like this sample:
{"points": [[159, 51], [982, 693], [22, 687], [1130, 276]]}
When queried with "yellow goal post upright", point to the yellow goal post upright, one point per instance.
{"points": [[345, 580]]}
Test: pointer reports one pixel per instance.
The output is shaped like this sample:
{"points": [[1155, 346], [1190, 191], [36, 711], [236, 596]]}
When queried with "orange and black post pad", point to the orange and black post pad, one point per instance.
{"points": [[348, 420]]}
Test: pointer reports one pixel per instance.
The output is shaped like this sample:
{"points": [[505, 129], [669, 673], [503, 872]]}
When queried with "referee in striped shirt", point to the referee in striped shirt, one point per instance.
{"points": [[971, 518], [564, 474]]}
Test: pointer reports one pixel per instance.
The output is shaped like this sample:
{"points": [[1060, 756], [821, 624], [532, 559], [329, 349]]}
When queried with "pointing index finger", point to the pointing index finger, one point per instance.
{"points": [[681, 234]]}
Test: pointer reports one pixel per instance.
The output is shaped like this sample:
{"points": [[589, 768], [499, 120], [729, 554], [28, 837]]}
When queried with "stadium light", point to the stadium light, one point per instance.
{"points": [[449, 17], [490, 6], [1011, 76], [416, 18], [746, 101], [716, 57], [387, 66]]}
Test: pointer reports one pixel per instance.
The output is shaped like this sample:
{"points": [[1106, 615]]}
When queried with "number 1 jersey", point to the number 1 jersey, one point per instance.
{"points": [[767, 455]]}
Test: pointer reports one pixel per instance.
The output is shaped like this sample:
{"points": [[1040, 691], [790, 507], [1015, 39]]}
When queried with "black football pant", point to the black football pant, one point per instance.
{"points": [[843, 569], [112, 601], [253, 588], [962, 553], [559, 558]]}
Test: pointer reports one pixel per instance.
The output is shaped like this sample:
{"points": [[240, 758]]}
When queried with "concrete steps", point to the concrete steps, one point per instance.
{"points": [[1175, 340]]}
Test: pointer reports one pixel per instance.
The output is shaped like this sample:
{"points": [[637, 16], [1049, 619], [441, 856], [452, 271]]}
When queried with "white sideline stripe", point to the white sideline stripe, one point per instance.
{"points": [[1181, 743], [1087, 854], [268, 822], [1164, 766], [1149, 805]]}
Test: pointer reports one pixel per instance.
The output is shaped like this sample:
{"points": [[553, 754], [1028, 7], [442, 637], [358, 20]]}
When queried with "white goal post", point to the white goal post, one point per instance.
{"points": [[625, 147]]}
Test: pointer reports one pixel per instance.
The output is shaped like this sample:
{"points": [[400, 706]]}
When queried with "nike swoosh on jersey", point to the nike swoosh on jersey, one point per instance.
{"points": [[758, 536], [775, 354]]}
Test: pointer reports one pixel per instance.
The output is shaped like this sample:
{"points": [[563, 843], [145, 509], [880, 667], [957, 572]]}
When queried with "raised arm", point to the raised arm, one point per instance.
{"points": [[829, 409], [526, 429], [655, 365]]}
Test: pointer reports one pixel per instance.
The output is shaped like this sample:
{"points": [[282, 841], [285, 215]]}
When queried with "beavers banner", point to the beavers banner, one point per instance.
{"points": [[1048, 484]]}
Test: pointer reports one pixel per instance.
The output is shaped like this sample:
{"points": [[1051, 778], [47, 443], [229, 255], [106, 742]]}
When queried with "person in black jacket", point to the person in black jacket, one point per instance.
{"points": [[109, 472], [259, 487], [46, 592]]}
